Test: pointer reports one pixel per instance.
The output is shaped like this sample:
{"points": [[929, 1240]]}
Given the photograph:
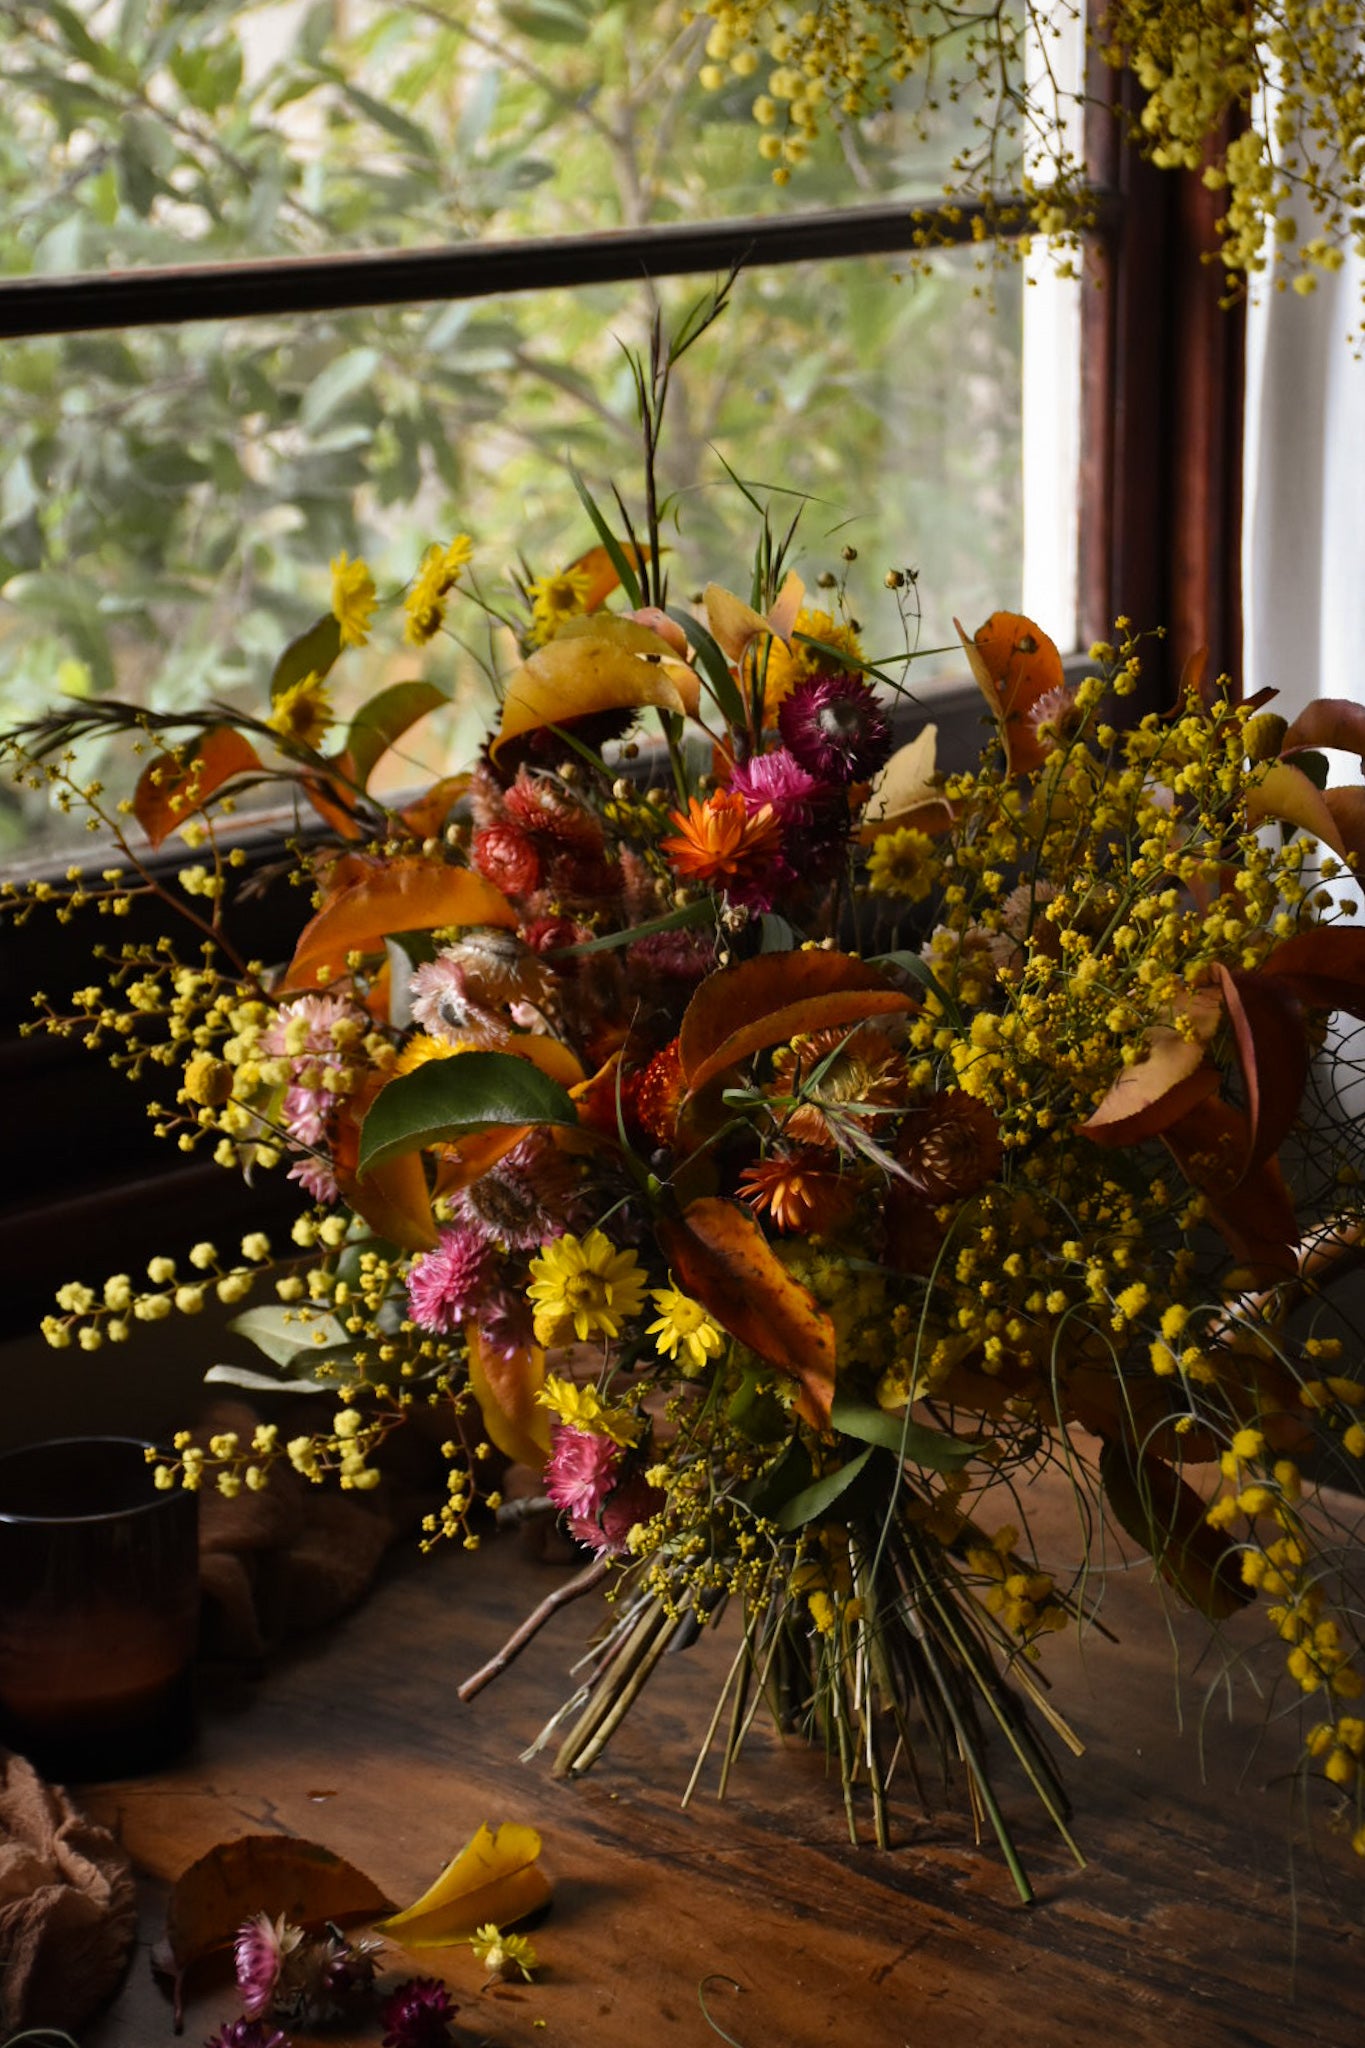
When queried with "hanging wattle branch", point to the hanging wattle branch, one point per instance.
{"points": [[1267, 102]]}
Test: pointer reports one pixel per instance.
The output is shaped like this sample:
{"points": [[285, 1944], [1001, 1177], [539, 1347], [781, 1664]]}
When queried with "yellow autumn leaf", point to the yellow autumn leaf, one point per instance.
{"points": [[495, 1878], [577, 674], [907, 792]]}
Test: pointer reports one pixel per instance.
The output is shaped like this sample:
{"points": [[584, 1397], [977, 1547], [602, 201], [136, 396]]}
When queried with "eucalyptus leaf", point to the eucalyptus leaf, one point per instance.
{"points": [[909, 1440], [264, 1382], [279, 1332], [819, 1497]]}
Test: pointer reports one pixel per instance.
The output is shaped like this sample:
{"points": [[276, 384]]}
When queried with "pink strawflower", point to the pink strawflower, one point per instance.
{"points": [[417, 2014], [443, 1006], [258, 1955], [305, 1113], [304, 1030], [777, 778], [836, 728], [248, 2034], [581, 1472], [444, 1284], [316, 1177]]}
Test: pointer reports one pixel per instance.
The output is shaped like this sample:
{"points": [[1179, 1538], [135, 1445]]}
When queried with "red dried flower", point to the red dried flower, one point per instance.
{"points": [[505, 857], [952, 1147], [658, 1094], [541, 807], [418, 2014]]}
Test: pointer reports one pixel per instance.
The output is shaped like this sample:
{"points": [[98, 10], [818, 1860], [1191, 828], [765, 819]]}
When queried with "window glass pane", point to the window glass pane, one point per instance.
{"points": [[173, 497], [164, 131]]}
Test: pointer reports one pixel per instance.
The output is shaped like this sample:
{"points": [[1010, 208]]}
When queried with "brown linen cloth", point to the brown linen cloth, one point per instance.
{"points": [[68, 1913]]}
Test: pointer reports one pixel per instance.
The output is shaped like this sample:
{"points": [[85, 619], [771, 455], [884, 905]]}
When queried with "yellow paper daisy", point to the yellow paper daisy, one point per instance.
{"points": [[584, 1288], [684, 1330], [353, 599]]}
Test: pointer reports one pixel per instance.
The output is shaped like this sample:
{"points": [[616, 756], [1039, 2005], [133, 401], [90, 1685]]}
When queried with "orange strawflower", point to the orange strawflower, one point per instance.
{"points": [[798, 1193], [719, 838]]}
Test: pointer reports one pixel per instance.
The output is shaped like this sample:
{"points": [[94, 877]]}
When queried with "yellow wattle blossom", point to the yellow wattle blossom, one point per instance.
{"points": [[353, 599], [302, 713]]}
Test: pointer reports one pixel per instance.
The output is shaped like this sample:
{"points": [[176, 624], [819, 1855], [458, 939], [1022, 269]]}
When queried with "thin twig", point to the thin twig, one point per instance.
{"points": [[562, 1596]]}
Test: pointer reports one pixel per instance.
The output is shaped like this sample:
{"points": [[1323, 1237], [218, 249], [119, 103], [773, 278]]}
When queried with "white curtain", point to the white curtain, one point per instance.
{"points": [[1303, 545]]}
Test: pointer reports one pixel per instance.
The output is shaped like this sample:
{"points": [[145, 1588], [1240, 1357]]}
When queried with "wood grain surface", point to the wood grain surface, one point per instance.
{"points": [[1206, 1914]]}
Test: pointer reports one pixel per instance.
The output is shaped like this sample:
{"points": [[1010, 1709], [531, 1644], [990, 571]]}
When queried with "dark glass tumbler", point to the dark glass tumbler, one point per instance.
{"points": [[99, 1608]]}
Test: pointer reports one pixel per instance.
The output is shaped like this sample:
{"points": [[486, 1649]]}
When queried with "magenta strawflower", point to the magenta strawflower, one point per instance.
{"points": [[777, 778], [248, 2034], [444, 1284], [836, 728], [417, 2014]]}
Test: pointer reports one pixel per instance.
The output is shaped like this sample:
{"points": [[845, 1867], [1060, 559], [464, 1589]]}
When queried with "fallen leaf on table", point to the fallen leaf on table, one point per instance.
{"points": [[270, 1874], [496, 1878]]}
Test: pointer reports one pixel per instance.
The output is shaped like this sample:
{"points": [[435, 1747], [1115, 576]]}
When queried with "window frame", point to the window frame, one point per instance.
{"points": [[1159, 536]]}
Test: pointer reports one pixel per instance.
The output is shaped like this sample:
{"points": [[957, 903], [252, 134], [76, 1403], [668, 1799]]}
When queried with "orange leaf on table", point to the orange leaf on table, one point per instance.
{"points": [[495, 1878], [767, 1000], [1158, 1510], [1272, 1052], [273, 1874], [174, 786], [404, 895], [333, 797], [1014, 663], [1284, 792], [719, 1255], [592, 670], [505, 1389]]}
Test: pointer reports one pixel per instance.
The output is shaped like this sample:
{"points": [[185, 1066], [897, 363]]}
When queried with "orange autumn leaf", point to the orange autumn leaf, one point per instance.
{"points": [[1253, 1210], [1014, 663], [1329, 722], [598, 565], [393, 1198], [425, 817], [1152, 1503], [721, 1258], [404, 895], [1272, 1052], [505, 1389], [767, 1000], [1157, 1090], [173, 787], [272, 1874], [1325, 967]]}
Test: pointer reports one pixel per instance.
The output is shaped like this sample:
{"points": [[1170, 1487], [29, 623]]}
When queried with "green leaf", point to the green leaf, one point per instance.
{"points": [[378, 724], [755, 1410], [264, 1382], [871, 1425], [701, 911], [341, 381], [816, 1499], [312, 654], [278, 1332], [620, 561], [445, 1099]]}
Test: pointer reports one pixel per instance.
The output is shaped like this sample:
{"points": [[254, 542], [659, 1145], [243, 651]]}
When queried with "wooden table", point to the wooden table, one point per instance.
{"points": [[1188, 1926]]}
